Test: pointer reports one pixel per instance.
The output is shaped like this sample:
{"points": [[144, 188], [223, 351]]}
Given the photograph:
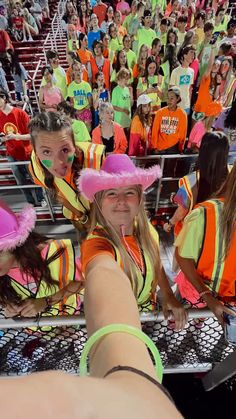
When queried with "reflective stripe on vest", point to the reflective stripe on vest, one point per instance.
{"points": [[144, 283], [212, 265], [93, 154], [62, 270]]}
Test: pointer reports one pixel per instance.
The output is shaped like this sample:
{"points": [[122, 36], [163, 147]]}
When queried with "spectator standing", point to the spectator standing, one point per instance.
{"points": [[100, 94], [20, 76], [146, 34], [124, 8], [49, 95], [140, 130], [14, 125], [109, 18], [108, 132], [170, 125], [131, 56], [183, 77], [80, 94], [58, 72], [100, 11], [94, 33], [99, 63], [79, 128], [121, 99]]}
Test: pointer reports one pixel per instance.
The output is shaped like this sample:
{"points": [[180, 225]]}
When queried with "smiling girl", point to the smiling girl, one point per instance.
{"points": [[120, 229]]}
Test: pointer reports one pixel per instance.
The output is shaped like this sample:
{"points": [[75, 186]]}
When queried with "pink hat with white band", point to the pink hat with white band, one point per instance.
{"points": [[15, 228], [117, 171]]}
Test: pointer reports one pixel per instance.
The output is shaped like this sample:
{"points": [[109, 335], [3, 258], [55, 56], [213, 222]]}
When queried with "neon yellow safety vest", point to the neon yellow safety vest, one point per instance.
{"points": [[93, 155], [63, 270], [144, 281]]}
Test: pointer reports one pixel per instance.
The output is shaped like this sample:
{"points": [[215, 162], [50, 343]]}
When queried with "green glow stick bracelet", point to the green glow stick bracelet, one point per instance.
{"points": [[123, 328]]}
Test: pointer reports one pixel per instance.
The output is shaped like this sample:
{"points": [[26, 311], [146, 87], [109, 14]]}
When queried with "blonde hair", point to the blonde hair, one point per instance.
{"points": [[141, 232], [228, 218], [123, 73]]}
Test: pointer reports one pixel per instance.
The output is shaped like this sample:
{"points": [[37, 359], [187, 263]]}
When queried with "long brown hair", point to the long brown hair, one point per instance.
{"points": [[55, 122], [141, 232], [228, 218], [145, 119], [31, 263]]}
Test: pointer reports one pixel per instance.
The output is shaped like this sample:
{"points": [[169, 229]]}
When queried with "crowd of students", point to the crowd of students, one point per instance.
{"points": [[145, 78]]}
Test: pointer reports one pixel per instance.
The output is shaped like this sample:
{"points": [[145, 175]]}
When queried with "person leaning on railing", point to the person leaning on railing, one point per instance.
{"points": [[212, 170], [206, 249], [56, 163], [34, 268]]}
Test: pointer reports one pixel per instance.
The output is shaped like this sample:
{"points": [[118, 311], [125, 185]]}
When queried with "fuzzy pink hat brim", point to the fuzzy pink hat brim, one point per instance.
{"points": [[26, 222], [91, 181]]}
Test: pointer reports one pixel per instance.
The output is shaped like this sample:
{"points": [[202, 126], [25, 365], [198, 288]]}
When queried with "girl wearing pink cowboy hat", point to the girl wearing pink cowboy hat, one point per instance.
{"points": [[31, 268], [120, 230]]}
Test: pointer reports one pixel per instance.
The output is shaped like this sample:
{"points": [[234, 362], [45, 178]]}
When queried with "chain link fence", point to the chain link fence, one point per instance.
{"points": [[56, 343]]}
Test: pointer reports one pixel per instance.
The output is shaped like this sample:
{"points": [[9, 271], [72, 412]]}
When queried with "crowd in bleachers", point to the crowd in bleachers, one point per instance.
{"points": [[143, 78]]}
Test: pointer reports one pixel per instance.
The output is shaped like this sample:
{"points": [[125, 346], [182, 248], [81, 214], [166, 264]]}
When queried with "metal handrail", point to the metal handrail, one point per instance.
{"points": [[33, 83], [155, 316]]}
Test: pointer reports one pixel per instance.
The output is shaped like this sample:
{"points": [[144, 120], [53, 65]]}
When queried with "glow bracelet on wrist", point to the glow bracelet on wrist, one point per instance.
{"points": [[120, 328]]}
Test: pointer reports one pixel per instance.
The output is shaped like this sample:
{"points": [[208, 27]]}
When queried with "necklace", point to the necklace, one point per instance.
{"points": [[137, 261]]}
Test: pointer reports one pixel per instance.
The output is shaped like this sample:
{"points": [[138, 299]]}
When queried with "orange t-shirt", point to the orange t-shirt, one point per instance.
{"points": [[100, 246], [85, 56], [169, 128]]}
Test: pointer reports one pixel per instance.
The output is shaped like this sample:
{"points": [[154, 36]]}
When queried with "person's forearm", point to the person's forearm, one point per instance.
{"points": [[179, 215], [67, 291], [109, 299], [118, 109], [188, 268], [23, 137], [164, 285]]}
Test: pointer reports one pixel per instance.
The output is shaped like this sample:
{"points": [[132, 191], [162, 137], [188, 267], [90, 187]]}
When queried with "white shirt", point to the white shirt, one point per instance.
{"points": [[183, 78]]}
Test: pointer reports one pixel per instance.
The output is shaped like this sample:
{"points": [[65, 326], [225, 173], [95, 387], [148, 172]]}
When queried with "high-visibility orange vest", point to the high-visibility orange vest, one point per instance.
{"points": [[105, 69], [218, 272]]}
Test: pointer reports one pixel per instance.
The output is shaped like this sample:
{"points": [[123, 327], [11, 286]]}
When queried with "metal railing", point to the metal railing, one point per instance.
{"points": [[38, 68], [26, 186], [139, 161], [37, 344]]}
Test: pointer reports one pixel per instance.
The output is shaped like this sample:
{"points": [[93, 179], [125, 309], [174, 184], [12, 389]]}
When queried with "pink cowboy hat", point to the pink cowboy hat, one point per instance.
{"points": [[15, 228], [117, 170]]}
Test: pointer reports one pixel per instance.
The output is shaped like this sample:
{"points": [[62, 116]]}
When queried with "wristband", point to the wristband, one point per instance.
{"points": [[121, 328]]}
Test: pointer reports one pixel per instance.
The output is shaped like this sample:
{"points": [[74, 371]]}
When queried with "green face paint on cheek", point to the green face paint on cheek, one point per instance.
{"points": [[70, 158], [47, 163]]}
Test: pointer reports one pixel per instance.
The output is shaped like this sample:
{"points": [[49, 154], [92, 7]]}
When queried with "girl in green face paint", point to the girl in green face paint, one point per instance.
{"points": [[47, 163], [57, 161]]}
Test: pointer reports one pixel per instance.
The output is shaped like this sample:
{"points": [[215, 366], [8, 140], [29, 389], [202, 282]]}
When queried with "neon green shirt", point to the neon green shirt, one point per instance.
{"points": [[121, 98], [145, 36], [80, 92], [189, 240], [80, 131], [131, 58]]}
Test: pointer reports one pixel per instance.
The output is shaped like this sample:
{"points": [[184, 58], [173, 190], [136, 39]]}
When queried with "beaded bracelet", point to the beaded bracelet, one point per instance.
{"points": [[121, 328]]}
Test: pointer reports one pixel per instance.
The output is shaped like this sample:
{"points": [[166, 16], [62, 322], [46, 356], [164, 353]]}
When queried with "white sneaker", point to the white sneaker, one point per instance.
{"points": [[30, 38]]}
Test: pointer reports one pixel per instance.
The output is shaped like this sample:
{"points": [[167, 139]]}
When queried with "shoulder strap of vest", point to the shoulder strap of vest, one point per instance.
{"points": [[37, 168]]}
